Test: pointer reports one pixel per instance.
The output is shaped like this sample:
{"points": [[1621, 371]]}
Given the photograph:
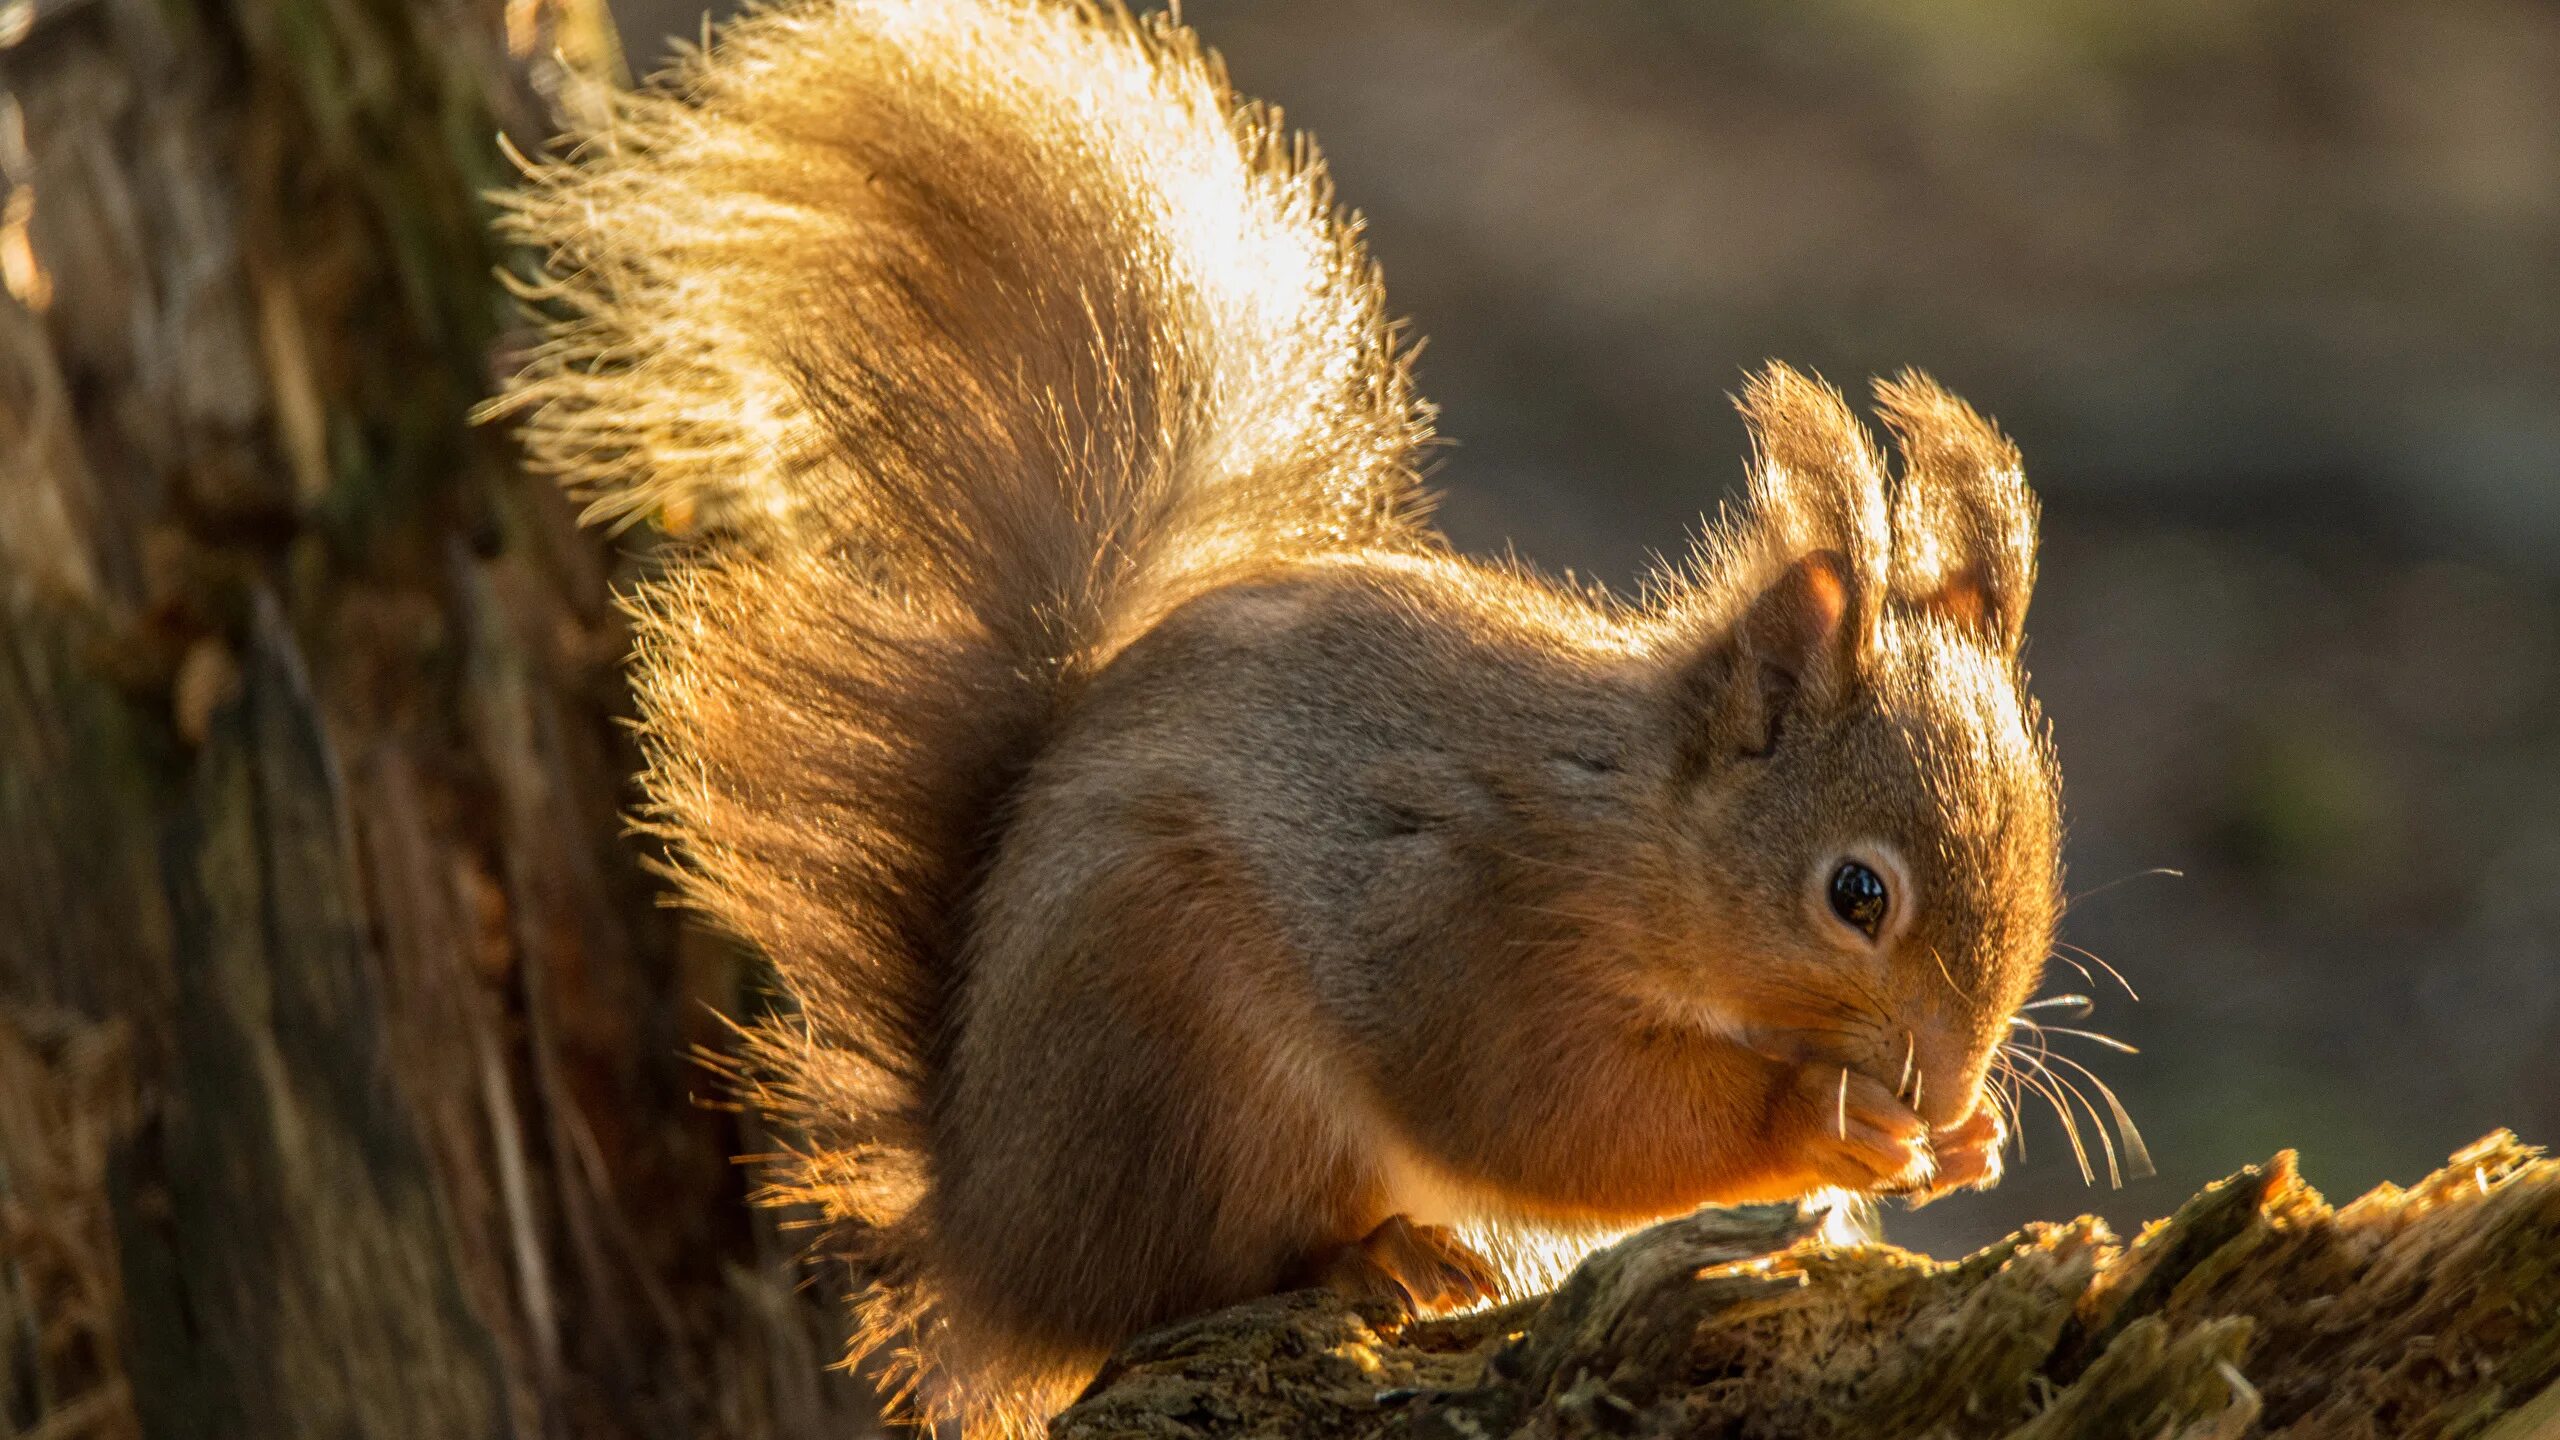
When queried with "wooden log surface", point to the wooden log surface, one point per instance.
{"points": [[2256, 1310]]}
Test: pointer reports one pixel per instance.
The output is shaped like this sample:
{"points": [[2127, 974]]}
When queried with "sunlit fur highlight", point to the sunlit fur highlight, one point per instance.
{"points": [[967, 339]]}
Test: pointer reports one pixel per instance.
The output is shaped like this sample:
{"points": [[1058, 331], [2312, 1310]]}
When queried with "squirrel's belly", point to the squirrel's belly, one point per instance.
{"points": [[1423, 1191], [1395, 1178]]}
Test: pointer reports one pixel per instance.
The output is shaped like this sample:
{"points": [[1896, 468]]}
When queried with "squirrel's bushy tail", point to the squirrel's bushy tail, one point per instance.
{"points": [[966, 336]]}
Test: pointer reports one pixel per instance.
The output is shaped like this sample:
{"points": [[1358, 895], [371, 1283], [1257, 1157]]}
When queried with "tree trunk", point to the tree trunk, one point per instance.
{"points": [[344, 1076]]}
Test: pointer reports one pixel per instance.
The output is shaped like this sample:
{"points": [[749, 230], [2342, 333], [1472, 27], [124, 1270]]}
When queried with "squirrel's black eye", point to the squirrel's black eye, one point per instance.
{"points": [[1859, 898]]}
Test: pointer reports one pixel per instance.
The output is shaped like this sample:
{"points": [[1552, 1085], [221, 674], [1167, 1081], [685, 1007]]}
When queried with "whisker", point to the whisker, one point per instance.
{"points": [[2004, 1090], [2106, 1142], [2085, 976], [2100, 961], [2021, 1022], [2044, 1043], [2055, 1002], [2137, 1156], [2094, 1037], [1910, 1051], [2006, 1098], [2095, 892], [1950, 974], [2092, 892], [2061, 1112], [1844, 1102]]}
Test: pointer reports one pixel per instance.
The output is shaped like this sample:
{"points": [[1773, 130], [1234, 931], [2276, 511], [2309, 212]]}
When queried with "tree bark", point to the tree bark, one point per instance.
{"points": [[344, 1053]]}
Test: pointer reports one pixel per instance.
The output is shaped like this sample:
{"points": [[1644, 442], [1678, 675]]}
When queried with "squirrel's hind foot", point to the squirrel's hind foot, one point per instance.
{"points": [[1412, 1266]]}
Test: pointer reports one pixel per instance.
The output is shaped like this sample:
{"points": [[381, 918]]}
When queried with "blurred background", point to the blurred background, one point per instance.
{"points": [[2269, 294], [344, 1061]]}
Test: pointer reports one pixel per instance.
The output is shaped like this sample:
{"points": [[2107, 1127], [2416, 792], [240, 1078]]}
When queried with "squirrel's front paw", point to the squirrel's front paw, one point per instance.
{"points": [[1419, 1267], [1967, 1154], [1855, 1133]]}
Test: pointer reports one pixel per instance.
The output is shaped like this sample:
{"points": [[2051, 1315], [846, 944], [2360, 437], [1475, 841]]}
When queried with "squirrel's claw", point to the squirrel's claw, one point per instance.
{"points": [[1417, 1267], [1967, 1155]]}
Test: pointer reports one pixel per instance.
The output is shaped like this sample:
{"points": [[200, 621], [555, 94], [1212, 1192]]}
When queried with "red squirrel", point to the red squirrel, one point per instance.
{"points": [[1189, 878]]}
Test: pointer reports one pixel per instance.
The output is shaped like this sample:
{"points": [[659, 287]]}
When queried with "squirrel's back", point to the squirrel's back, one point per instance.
{"points": [[965, 338]]}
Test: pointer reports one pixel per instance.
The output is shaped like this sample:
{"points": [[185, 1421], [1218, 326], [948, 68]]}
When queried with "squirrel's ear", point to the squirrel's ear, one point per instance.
{"points": [[1793, 647], [1964, 521], [1966, 598], [1786, 593]]}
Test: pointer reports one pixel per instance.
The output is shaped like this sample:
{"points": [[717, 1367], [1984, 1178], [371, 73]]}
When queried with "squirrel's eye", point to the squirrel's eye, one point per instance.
{"points": [[1859, 898]]}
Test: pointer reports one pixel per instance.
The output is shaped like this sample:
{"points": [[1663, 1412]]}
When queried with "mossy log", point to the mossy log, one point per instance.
{"points": [[2256, 1310]]}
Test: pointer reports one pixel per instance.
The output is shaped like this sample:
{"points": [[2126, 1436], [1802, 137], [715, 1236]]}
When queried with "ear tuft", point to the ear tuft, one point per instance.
{"points": [[1786, 594], [1964, 522], [1817, 484]]}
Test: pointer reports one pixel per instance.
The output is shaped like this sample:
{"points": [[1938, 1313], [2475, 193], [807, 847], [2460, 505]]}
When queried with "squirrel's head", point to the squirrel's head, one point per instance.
{"points": [[1868, 811]]}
